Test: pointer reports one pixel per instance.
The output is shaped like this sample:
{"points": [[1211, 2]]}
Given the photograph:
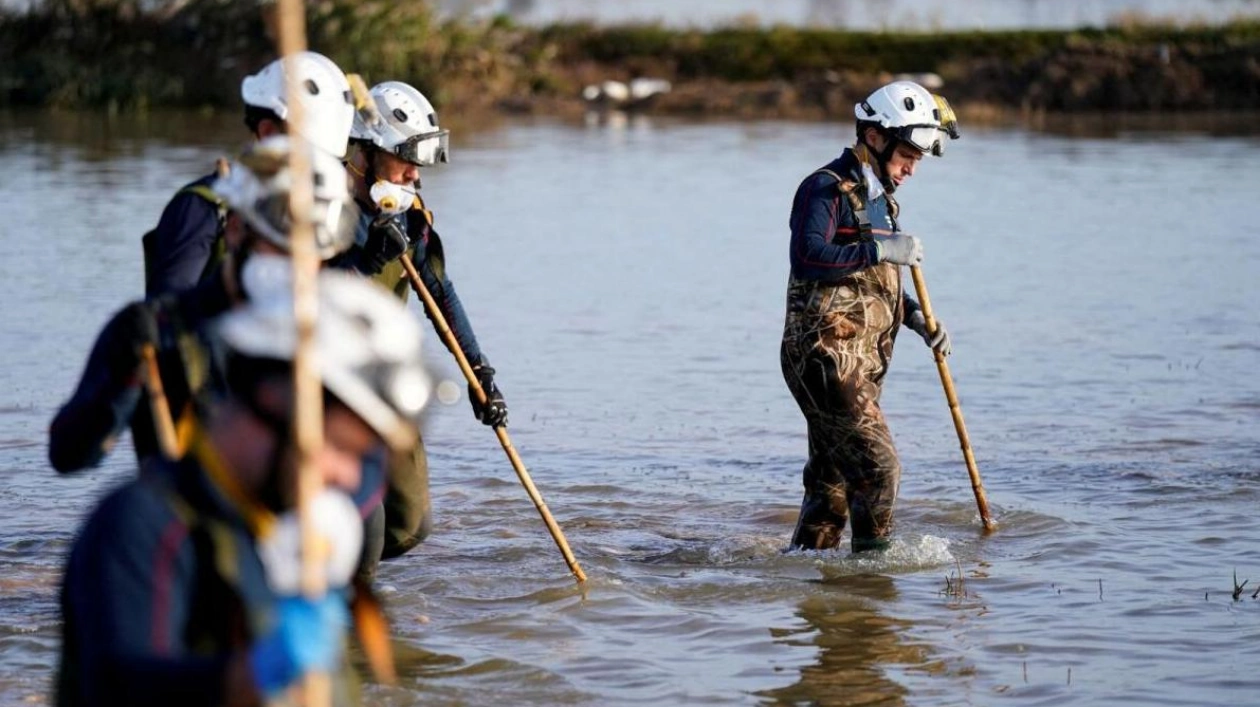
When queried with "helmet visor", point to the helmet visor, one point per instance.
{"points": [[924, 138], [424, 149]]}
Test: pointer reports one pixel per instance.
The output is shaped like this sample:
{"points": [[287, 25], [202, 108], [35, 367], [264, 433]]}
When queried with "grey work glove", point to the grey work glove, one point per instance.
{"points": [[937, 342], [901, 249]]}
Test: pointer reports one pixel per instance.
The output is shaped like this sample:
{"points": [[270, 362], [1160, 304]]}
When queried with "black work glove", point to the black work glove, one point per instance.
{"points": [[386, 240], [494, 412], [131, 330]]}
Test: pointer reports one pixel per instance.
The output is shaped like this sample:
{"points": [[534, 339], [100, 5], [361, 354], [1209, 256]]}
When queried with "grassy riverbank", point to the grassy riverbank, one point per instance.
{"points": [[127, 55]]}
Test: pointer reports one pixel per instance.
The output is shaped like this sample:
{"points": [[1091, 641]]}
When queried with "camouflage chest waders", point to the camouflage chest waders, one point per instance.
{"points": [[837, 343]]}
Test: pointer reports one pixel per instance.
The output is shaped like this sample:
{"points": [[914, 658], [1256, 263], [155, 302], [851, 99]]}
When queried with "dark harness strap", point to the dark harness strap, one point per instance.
{"points": [[217, 251], [220, 620], [850, 190]]}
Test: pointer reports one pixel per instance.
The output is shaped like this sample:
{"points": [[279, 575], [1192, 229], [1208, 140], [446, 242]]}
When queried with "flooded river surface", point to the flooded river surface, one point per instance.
{"points": [[627, 279]]}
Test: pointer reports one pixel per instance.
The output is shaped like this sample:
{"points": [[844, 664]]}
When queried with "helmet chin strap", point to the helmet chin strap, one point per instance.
{"points": [[233, 266], [881, 160], [368, 174]]}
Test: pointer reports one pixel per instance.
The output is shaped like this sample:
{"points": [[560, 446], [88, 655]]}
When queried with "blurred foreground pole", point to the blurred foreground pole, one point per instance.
{"points": [[308, 410]]}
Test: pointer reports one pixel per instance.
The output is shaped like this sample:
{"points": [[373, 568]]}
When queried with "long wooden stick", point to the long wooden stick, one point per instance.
{"points": [[159, 407], [448, 337], [951, 397], [308, 406]]}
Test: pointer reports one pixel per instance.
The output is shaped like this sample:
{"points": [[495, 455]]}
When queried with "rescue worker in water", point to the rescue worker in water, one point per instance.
{"points": [[845, 303]]}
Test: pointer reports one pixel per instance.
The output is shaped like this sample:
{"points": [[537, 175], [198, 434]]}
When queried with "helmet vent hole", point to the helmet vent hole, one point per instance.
{"points": [[400, 114], [311, 87], [909, 103], [433, 119]]}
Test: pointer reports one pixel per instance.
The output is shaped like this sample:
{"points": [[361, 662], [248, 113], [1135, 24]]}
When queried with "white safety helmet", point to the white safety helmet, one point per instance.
{"points": [[257, 185], [404, 124], [327, 104], [908, 112], [367, 349]]}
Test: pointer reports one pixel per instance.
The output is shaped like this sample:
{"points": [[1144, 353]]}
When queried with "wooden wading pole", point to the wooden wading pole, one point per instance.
{"points": [[955, 410], [308, 415], [171, 446], [448, 337]]}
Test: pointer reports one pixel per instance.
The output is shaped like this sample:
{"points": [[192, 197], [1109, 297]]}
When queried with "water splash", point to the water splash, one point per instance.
{"points": [[903, 555]]}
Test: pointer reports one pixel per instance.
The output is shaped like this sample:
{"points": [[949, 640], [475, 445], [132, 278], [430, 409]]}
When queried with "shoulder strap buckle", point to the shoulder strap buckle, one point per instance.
{"points": [[857, 202]]}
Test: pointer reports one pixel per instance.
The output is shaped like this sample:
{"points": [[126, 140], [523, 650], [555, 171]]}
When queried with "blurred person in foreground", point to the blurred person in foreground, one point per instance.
{"points": [[845, 304], [183, 586], [111, 394]]}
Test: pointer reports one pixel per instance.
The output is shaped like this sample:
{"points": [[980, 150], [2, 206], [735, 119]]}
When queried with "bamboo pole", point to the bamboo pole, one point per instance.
{"points": [[955, 410], [308, 408], [168, 439], [448, 337]]}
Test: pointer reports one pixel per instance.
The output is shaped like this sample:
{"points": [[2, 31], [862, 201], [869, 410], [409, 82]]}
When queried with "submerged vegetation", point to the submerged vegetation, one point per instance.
{"points": [[134, 54]]}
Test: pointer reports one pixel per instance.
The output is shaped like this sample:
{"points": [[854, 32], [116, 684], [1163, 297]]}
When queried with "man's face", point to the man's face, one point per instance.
{"points": [[904, 159], [902, 163], [395, 169], [339, 463], [347, 440]]}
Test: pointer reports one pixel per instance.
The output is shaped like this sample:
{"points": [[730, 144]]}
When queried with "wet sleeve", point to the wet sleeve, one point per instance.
{"points": [[88, 425], [816, 211], [181, 244], [909, 306], [431, 263], [127, 599]]}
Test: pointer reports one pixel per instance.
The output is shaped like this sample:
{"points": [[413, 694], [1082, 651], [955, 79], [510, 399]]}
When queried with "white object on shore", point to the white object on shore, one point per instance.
{"points": [[619, 94]]}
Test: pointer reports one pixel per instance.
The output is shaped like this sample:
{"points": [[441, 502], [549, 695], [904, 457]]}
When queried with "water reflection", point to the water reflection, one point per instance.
{"points": [[99, 136], [858, 645]]}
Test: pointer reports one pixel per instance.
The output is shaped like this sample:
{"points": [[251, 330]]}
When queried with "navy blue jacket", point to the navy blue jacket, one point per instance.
{"points": [[148, 618], [178, 250], [826, 244]]}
